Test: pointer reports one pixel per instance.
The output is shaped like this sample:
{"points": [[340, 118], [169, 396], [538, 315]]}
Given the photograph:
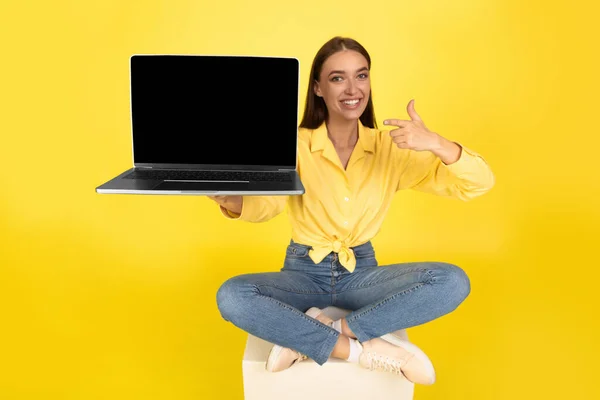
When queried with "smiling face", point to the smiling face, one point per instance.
{"points": [[345, 85]]}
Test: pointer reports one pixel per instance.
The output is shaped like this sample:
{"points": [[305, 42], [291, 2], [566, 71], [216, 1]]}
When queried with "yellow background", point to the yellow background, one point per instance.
{"points": [[113, 296]]}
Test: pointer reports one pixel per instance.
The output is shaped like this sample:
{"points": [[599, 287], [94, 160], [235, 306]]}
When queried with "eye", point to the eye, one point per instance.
{"points": [[363, 76], [334, 79]]}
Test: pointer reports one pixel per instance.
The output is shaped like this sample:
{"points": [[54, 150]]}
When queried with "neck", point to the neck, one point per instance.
{"points": [[342, 133]]}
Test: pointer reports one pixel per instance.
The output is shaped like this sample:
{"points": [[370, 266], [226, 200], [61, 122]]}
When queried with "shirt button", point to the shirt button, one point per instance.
{"points": [[345, 222], [346, 198]]}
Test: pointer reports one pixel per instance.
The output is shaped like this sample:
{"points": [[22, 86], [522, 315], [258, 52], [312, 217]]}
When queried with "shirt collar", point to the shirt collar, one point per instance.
{"points": [[319, 138]]}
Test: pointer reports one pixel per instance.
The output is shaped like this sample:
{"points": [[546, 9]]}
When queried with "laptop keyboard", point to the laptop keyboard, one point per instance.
{"points": [[180, 175]]}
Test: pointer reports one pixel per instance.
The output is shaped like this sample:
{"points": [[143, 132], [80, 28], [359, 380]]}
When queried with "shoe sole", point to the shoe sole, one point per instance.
{"points": [[419, 354], [273, 355]]}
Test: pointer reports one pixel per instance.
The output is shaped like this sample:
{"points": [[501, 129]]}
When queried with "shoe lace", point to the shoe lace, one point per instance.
{"points": [[301, 357], [383, 363]]}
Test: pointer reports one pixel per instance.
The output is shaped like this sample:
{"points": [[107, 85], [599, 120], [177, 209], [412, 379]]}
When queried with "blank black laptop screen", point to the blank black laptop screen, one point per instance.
{"points": [[218, 110]]}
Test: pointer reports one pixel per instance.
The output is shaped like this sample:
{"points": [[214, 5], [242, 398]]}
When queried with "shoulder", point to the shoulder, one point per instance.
{"points": [[304, 137], [304, 134]]}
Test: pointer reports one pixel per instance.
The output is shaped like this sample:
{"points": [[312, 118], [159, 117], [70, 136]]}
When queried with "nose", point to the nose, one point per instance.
{"points": [[351, 87]]}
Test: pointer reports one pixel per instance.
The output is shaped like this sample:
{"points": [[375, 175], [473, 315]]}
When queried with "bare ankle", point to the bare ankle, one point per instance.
{"points": [[342, 348], [346, 329]]}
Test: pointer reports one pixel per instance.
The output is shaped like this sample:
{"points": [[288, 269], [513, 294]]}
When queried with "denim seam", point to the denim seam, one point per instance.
{"points": [[289, 290], [327, 348], [431, 276], [364, 255], [357, 330], [370, 284], [386, 300], [330, 330]]}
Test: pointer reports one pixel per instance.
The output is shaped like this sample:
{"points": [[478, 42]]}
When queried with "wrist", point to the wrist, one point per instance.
{"points": [[438, 143], [447, 150]]}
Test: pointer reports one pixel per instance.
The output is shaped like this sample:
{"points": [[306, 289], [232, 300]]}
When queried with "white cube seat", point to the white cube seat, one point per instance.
{"points": [[306, 380]]}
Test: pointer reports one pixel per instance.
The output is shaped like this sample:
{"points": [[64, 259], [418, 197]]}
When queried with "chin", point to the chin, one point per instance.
{"points": [[353, 115]]}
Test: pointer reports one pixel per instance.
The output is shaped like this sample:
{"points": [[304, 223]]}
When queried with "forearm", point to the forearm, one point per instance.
{"points": [[255, 208], [466, 174]]}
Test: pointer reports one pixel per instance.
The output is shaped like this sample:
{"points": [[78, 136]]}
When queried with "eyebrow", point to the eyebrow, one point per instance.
{"points": [[343, 72]]}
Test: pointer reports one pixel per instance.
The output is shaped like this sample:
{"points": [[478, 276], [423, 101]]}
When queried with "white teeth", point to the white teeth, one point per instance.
{"points": [[351, 102]]}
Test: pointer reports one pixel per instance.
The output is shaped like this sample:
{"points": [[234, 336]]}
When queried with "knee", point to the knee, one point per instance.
{"points": [[229, 297], [458, 282]]}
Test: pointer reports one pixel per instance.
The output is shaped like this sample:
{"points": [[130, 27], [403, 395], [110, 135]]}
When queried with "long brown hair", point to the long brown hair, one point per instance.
{"points": [[315, 110]]}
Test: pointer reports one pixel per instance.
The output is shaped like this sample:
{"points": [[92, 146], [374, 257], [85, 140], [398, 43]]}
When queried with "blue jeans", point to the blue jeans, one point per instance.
{"points": [[383, 299]]}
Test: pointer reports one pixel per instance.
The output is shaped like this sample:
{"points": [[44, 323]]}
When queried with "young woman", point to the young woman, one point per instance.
{"points": [[351, 171]]}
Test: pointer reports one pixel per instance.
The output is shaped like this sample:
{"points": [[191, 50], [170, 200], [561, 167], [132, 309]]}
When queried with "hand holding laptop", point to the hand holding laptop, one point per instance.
{"points": [[232, 203]]}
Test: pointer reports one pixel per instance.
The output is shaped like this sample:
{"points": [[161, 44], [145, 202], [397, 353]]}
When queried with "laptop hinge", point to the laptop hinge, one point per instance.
{"points": [[285, 169]]}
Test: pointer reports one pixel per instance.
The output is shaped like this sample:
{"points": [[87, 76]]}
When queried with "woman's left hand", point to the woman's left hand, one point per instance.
{"points": [[413, 134]]}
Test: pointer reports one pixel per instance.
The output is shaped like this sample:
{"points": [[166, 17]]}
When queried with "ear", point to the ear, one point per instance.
{"points": [[317, 89]]}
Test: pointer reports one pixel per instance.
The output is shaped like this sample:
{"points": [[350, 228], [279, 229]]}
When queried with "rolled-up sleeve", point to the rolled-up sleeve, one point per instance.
{"points": [[469, 177], [257, 208]]}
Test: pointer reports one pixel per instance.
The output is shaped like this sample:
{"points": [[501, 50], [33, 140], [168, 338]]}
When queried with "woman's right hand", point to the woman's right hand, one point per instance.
{"points": [[232, 203]]}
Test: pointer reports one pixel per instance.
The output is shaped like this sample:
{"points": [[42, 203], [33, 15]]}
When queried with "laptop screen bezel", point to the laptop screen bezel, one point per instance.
{"points": [[200, 167]]}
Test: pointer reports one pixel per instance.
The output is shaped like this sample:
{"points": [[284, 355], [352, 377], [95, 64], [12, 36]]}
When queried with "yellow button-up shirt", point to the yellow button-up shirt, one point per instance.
{"points": [[341, 208]]}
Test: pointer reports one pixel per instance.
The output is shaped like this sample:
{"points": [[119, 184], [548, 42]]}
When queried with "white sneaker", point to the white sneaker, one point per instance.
{"points": [[281, 358], [400, 358]]}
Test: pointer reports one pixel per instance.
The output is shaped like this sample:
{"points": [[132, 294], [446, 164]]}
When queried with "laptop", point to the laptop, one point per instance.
{"points": [[212, 125]]}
